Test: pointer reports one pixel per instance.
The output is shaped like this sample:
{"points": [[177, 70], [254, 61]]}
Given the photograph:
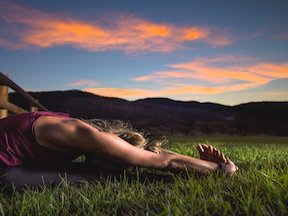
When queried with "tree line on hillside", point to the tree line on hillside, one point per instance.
{"points": [[165, 115]]}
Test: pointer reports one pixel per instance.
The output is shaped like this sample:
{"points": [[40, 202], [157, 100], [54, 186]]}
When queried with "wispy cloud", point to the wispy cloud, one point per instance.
{"points": [[218, 38], [122, 92], [84, 83], [127, 33], [282, 36], [204, 76], [5, 43], [220, 77]]}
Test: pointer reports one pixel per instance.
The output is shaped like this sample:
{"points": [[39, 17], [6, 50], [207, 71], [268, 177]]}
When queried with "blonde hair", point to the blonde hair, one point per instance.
{"points": [[125, 131]]}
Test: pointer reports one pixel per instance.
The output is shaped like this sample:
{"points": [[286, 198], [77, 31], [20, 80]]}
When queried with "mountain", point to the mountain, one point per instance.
{"points": [[160, 115]]}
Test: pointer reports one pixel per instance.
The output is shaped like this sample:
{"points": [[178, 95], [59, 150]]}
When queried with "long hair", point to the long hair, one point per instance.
{"points": [[125, 131]]}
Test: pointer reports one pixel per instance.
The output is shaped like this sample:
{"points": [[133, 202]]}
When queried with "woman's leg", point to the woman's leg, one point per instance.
{"points": [[73, 134], [32, 175]]}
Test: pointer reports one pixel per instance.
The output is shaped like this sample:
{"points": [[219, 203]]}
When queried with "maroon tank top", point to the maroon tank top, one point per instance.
{"points": [[18, 144]]}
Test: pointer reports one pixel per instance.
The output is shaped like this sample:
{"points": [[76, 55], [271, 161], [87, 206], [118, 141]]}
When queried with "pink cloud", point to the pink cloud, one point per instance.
{"points": [[283, 36], [84, 83]]}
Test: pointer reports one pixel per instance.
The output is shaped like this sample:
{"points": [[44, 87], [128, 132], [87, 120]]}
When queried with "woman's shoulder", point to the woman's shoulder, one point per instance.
{"points": [[36, 115], [49, 113]]}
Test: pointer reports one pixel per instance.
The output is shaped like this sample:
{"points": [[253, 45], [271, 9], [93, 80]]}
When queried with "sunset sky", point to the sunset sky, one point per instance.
{"points": [[226, 51]]}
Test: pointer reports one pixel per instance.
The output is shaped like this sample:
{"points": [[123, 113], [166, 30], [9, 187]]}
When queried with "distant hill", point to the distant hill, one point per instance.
{"points": [[166, 115]]}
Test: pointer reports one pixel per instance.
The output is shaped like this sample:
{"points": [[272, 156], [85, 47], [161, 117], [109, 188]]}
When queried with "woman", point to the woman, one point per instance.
{"points": [[55, 139]]}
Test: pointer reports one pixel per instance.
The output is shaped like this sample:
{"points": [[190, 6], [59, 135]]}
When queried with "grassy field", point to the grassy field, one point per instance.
{"points": [[259, 188]]}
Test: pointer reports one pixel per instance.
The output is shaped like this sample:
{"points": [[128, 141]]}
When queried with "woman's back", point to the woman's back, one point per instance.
{"points": [[17, 141]]}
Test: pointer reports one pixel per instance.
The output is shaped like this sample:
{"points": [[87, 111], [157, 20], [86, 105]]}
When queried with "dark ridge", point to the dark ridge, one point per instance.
{"points": [[160, 115]]}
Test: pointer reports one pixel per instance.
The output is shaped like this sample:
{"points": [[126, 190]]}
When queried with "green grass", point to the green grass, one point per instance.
{"points": [[260, 187]]}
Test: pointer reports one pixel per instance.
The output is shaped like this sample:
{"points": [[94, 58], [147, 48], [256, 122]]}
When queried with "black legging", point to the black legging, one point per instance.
{"points": [[21, 176]]}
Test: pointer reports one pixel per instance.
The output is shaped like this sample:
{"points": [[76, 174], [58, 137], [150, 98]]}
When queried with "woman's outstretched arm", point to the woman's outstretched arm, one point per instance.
{"points": [[74, 135]]}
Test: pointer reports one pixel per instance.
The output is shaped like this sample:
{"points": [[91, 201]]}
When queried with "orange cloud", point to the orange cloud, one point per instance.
{"points": [[185, 91], [216, 78], [204, 70], [142, 93], [121, 92], [191, 34], [63, 33], [203, 77], [188, 90], [127, 33], [271, 70], [149, 29]]}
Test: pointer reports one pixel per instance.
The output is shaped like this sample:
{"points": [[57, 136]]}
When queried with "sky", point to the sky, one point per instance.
{"points": [[225, 51]]}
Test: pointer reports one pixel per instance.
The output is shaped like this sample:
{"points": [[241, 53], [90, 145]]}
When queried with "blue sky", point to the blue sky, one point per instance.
{"points": [[228, 52]]}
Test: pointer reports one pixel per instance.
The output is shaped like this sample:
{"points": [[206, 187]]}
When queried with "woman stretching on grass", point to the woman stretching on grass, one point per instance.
{"points": [[55, 139]]}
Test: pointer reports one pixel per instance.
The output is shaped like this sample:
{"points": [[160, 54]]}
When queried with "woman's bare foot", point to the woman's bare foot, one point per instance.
{"points": [[210, 153]]}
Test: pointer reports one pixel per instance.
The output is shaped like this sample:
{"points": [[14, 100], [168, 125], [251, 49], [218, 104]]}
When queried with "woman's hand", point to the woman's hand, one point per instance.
{"points": [[229, 168], [210, 153]]}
